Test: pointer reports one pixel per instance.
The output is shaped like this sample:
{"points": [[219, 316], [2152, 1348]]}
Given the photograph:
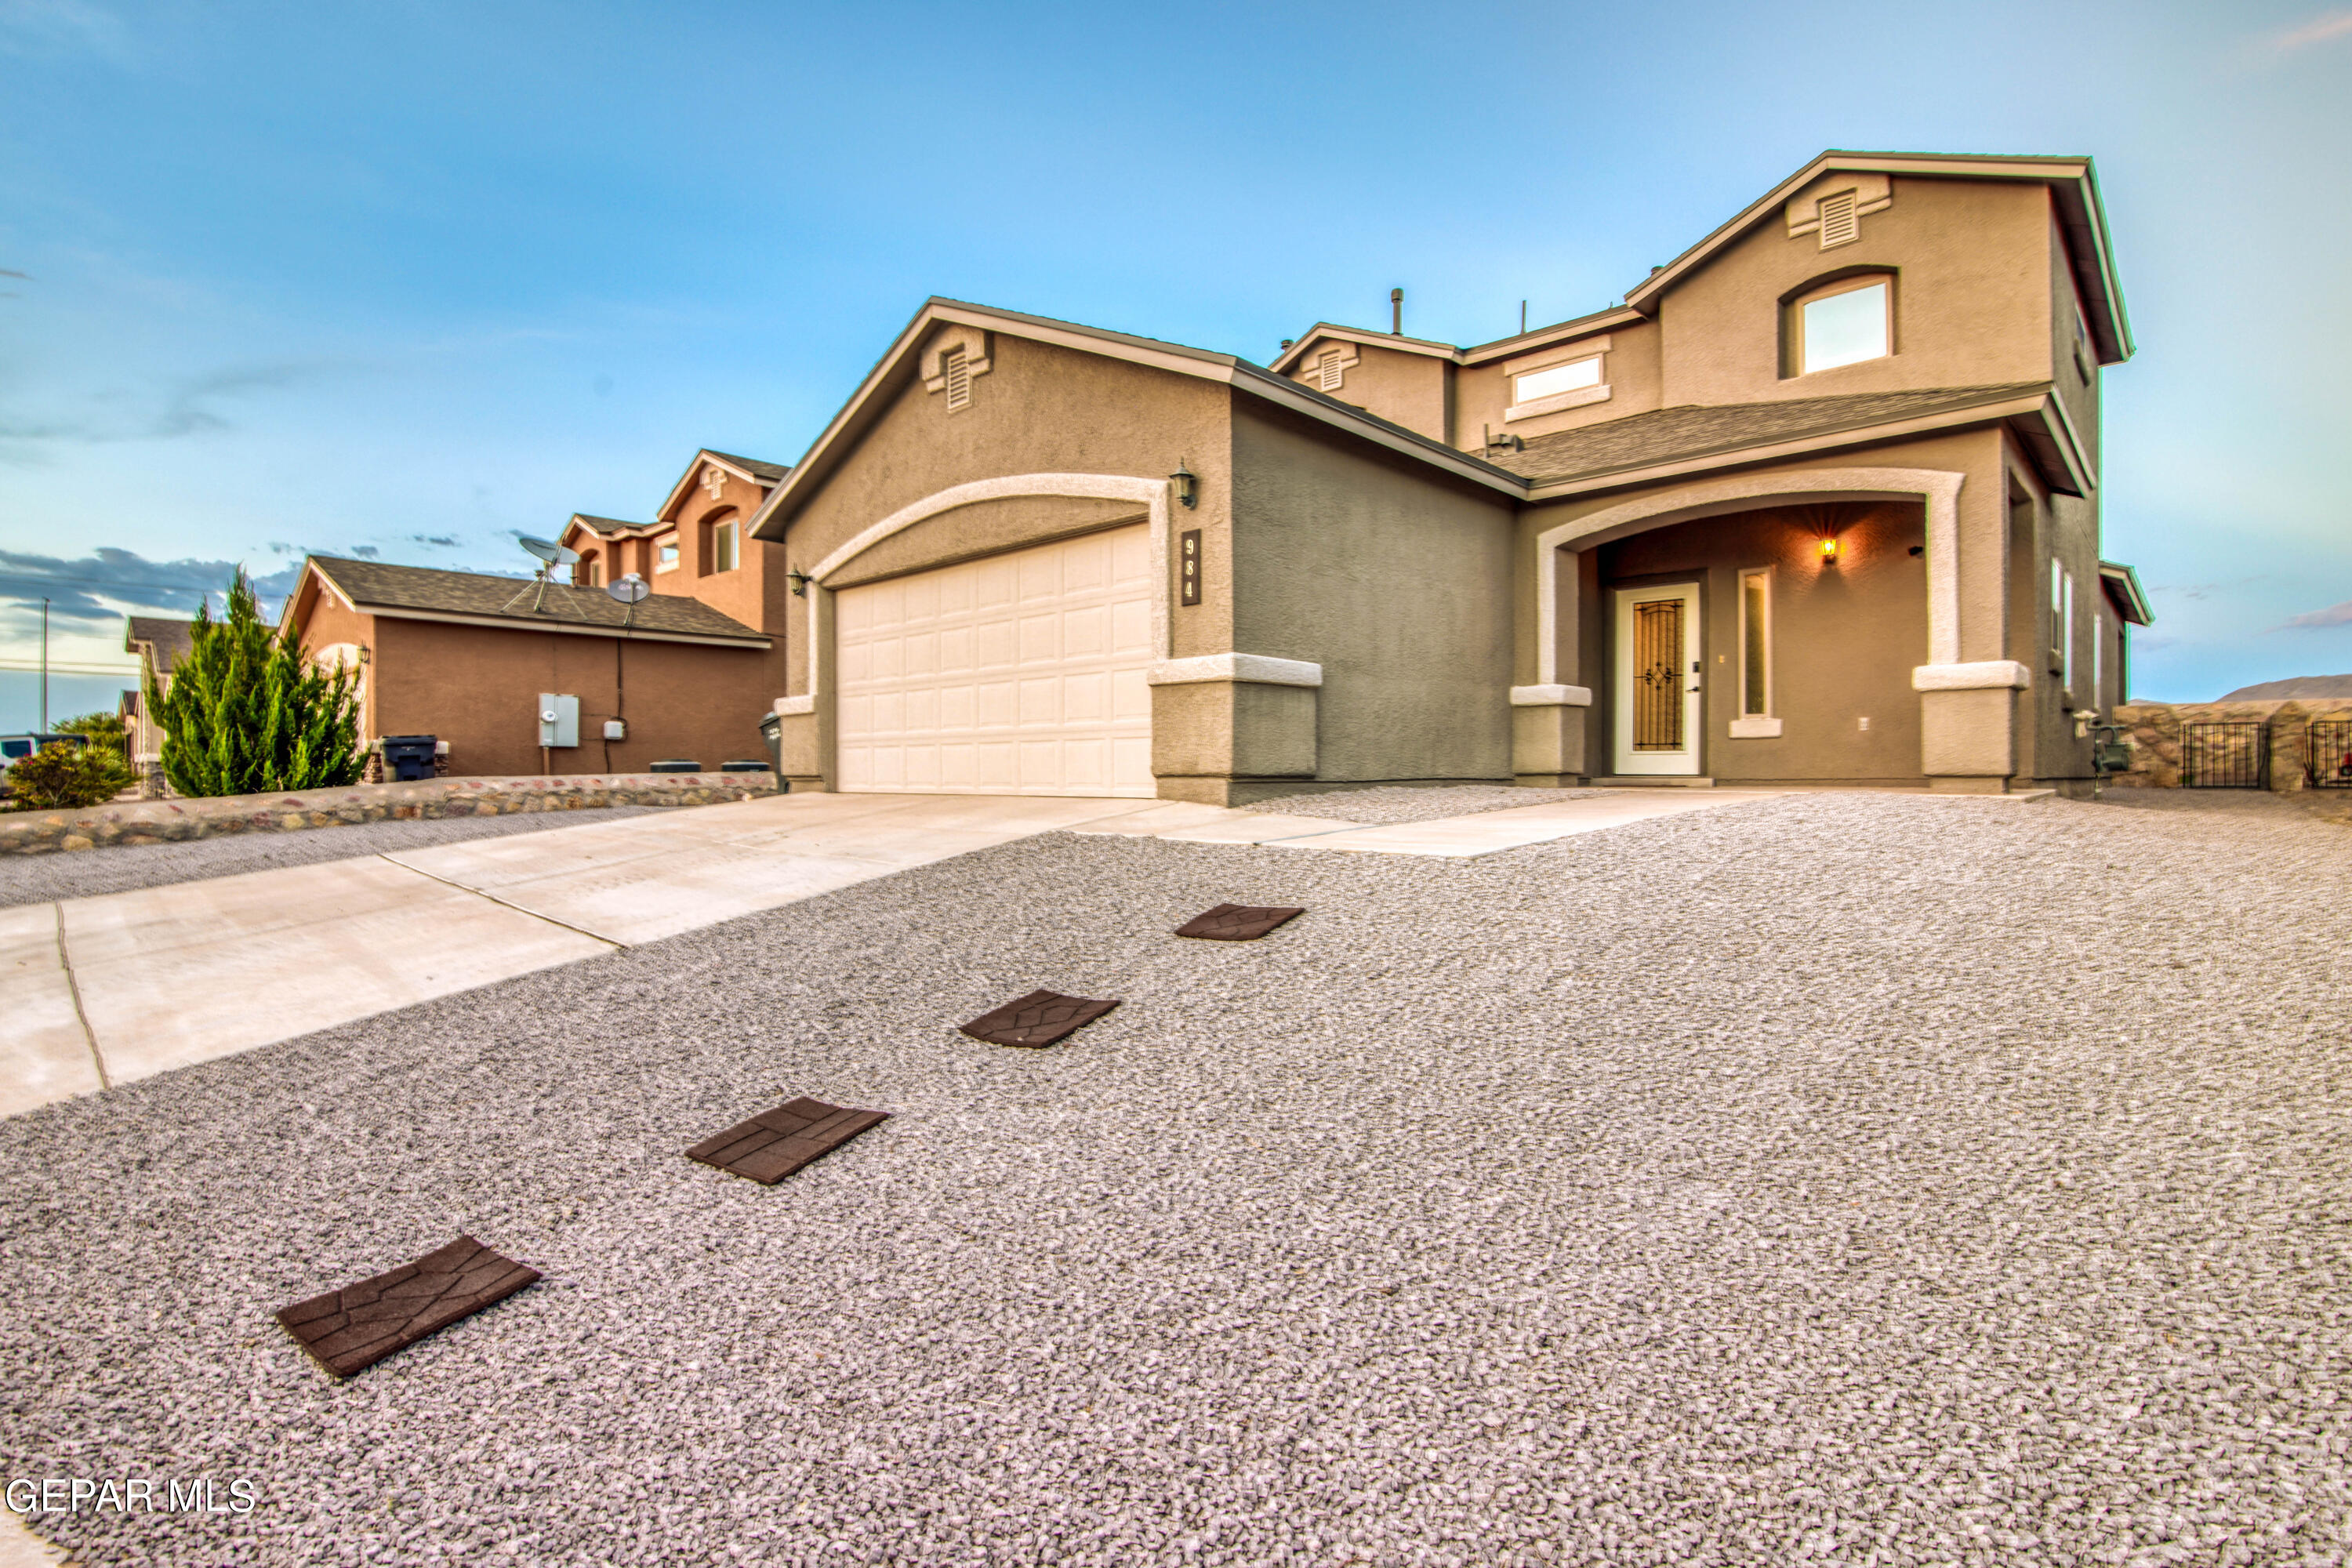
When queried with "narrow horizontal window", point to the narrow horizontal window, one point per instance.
{"points": [[1573, 376]]}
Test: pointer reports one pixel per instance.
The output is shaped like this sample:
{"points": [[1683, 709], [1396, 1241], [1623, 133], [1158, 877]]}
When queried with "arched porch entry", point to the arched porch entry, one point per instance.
{"points": [[1579, 666]]}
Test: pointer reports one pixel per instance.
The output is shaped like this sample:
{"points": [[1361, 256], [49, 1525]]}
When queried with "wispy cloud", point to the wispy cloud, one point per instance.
{"points": [[2325, 27], [188, 407], [95, 590], [59, 26], [2333, 616]]}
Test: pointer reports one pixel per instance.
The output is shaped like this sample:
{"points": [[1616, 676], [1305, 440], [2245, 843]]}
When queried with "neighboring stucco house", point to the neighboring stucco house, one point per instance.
{"points": [[160, 643], [689, 673], [1819, 502]]}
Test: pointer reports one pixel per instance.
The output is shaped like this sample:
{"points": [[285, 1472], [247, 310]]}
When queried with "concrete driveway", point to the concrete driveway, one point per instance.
{"points": [[103, 990]]}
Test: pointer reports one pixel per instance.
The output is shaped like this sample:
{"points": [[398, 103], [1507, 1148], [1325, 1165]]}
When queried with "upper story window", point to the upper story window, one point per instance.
{"points": [[1574, 376], [666, 552], [591, 572], [1550, 380], [1845, 322], [723, 551], [2084, 365]]}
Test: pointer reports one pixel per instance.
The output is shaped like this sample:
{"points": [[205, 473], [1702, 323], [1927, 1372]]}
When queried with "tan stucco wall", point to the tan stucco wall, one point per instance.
{"points": [[1630, 368], [1409, 389], [1040, 409], [1972, 299], [983, 528], [1845, 637], [1391, 578], [2067, 527]]}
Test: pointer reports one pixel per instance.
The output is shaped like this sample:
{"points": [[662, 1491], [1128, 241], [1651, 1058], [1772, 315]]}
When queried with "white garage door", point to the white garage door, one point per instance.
{"points": [[1019, 674]]}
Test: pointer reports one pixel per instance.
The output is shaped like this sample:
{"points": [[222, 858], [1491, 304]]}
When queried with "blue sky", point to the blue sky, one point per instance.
{"points": [[413, 278]]}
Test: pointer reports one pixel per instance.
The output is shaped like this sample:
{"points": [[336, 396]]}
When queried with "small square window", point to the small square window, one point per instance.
{"points": [[666, 552], [1846, 327]]}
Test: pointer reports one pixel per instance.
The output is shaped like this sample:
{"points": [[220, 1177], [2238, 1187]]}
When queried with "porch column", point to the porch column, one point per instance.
{"points": [[806, 736], [1967, 703], [1548, 719]]}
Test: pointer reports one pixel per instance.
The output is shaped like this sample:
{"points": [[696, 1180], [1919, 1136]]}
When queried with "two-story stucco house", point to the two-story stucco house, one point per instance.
{"points": [[1819, 502]]}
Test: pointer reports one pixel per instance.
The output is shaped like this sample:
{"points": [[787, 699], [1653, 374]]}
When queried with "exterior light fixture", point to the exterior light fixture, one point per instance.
{"points": [[1187, 483], [800, 581], [1829, 550]]}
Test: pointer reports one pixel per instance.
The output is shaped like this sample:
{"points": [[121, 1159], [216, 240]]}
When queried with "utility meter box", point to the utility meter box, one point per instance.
{"points": [[617, 730], [559, 720]]}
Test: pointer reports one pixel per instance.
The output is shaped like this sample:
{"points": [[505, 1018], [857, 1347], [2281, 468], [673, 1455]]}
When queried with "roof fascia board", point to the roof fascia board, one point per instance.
{"points": [[1223, 368], [575, 628], [1743, 457], [1298, 351], [677, 492], [1544, 337], [2123, 584]]}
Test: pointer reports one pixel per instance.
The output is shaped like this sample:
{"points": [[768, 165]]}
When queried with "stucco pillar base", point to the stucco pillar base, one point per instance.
{"points": [[1968, 734], [1209, 737], [1548, 743], [801, 751], [1948, 785]]}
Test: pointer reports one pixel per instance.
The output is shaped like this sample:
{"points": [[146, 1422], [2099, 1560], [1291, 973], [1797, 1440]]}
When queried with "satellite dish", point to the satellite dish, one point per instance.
{"points": [[550, 552], [630, 589]]}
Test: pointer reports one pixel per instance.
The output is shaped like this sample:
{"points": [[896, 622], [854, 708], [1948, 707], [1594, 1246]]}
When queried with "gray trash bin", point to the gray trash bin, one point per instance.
{"points": [[772, 731], [741, 766], [676, 765], [408, 757]]}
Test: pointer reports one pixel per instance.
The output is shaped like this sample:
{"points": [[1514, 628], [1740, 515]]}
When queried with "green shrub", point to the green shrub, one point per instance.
{"points": [[246, 714], [61, 776]]}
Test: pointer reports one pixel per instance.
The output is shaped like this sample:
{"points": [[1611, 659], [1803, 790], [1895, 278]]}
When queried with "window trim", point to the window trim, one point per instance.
{"points": [[729, 521], [668, 556], [1827, 286], [1593, 349], [1754, 724]]}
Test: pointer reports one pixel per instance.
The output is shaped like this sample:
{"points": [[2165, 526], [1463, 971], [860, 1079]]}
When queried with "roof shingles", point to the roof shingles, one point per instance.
{"points": [[1691, 430], [426, 590]]}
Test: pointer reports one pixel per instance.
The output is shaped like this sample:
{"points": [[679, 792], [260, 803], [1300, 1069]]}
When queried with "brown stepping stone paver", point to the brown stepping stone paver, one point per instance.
{"points": [[1037, 1019], [1236, 923], [775, 1143], [360, 1324]]}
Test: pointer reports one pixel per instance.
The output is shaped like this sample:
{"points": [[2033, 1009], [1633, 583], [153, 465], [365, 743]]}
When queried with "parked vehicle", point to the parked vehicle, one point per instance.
{"points": [[16, 748]]}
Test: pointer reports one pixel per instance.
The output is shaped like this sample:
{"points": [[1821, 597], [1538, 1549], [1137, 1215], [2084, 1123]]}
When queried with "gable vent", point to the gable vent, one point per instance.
{"points": [[1328, 371], [958, 378], [1840, 224]]}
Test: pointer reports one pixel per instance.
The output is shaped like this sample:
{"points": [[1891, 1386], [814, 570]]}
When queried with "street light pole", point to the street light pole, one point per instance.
{"points": [[45, 667]]}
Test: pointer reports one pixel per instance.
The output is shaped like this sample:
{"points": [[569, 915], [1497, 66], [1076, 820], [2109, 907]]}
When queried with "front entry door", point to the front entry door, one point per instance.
{"points": [[1658, 680]]}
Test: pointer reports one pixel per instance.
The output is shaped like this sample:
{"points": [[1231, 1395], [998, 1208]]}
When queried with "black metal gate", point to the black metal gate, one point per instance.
{"points": [[2225, 755], [2328, 745]]}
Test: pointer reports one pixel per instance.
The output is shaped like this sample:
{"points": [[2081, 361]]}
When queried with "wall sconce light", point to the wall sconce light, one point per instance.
{"points": [[365, 656], [800, 581], [1829, 550], [1187, 483]]}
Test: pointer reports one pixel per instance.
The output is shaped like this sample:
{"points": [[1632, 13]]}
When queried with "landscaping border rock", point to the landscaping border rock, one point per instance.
{"points": [[181, 820]]}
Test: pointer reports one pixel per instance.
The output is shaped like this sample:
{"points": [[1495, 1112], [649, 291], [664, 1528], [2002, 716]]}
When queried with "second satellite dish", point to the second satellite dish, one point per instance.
{"points": [[547, 549], [630, 589]]}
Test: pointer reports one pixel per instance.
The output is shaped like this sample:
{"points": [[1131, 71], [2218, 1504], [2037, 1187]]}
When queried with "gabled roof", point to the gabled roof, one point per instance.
{"points": [[478, 598], [1289, 357], [1696, 430], [897, 368], [1501, 348], [167, 641], [610, 527], [764, 474], [2074, 185], [2125, 592]]}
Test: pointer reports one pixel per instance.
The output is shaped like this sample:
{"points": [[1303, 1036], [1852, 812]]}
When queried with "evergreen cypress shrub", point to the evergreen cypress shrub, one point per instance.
{"points": [[246, 714]]}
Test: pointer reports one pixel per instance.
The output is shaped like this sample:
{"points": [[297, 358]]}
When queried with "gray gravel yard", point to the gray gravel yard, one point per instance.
{"points": [[37, 879], [1832, 1178], [1389, 805]]}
